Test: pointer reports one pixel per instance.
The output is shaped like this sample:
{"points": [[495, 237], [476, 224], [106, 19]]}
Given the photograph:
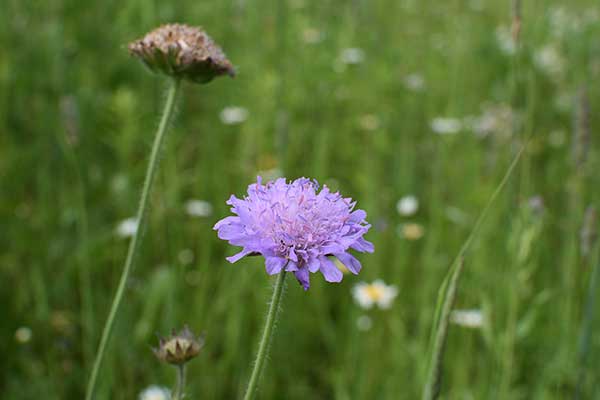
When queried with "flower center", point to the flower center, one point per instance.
{"points": [[375, 293]]}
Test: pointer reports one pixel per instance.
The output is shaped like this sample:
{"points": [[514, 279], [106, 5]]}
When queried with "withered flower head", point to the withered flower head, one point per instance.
{"points": [[179, 348], [182, 51]]}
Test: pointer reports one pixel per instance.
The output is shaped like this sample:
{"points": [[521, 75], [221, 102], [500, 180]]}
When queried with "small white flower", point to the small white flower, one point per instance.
{"points": [[407, 205], [311, 36], [364, 323], [186, 256], [369, 122], [446, 126], [467, 318], [233, 115], [155, 393], [495, 118], [549, 60], [23, 334], [377, 293], [198, 208], [505, 40], [352, 55], [414, 82], [127, 228], [410, 231]]}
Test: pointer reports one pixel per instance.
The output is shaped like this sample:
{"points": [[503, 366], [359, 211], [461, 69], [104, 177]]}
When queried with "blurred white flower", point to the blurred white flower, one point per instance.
{"points": [[311, 35], [186, 256], [414, 82], [119, 183], [352, 56], [467, 318], [155, 393], [198, 208], [549, 60], [495, 119], [369, 122], [407, 205], [505, 40], [564, 23], [364, 323], [233, 115], [446, 126], [411, 231], [127, 228], [23, 335], [377, 293]]}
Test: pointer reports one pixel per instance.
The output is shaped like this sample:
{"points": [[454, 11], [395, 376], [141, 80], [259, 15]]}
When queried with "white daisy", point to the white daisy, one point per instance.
{"points": [[23, 334], [198, 208], [377, 293], [549, 60], [414, 82], [446, 126], [233, 115], [155, 393], [467, 318], [407, 205], [505, 40], [352, 55], [127, 228]]}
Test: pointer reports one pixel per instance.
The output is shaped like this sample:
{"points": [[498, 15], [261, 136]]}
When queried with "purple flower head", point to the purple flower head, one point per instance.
{"points": [[296, 227]]}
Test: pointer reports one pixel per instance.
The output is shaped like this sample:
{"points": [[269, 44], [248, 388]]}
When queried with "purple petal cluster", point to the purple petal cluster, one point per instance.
{"points": [[296, 227]]}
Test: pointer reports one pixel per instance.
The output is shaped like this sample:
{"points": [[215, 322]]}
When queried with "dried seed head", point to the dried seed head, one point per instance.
{"points": [[182, 51], [179, 348]]}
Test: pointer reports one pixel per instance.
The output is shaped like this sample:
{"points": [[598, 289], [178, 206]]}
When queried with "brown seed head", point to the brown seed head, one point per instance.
{"points": [[179, 348], [182, 51]]}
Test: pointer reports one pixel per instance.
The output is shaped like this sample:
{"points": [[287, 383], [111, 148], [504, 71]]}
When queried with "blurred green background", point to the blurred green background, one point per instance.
{"points": [[380, 99]]}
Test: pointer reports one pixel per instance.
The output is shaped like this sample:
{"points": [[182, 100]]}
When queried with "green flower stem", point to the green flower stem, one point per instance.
{"points": [[137, 237], [179, 388], [263, 348]]}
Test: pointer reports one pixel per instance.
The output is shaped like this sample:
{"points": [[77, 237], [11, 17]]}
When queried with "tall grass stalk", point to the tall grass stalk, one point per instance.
{"points": [[263, 348], [446, 295], [137, 237], [586, 330], [434, 381]]}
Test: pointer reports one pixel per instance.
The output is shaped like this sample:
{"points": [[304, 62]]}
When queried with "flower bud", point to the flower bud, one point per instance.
{"points": [[179, 348]]}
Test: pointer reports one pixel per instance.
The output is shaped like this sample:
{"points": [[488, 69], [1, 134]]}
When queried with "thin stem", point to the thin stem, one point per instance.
{"points": [[178, 394], [263, 348], [586, 331], [137, 237]]}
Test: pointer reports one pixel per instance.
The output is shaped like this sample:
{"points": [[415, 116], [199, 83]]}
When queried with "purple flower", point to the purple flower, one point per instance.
{"points": [[296, 228]]}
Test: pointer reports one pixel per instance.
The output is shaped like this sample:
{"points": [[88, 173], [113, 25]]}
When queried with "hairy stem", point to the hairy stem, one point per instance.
{"points": [[263, 348], [137, 237], [180, 386]]}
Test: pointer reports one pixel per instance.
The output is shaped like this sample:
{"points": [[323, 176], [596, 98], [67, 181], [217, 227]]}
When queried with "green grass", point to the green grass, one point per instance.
{"points": [[62, 199]]}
